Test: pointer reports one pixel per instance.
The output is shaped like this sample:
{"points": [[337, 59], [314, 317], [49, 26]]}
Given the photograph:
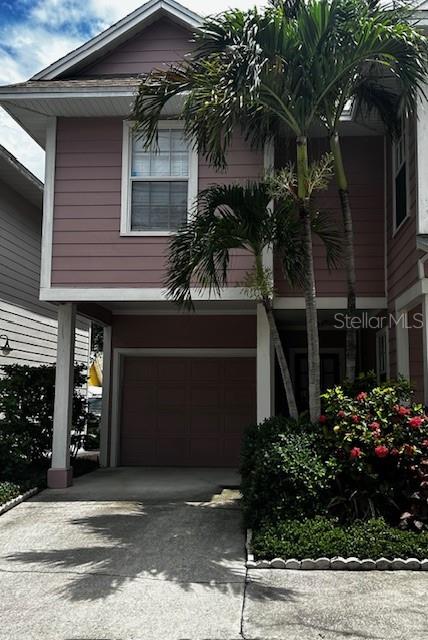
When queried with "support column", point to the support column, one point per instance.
{"points": [[402, 342], [60, 474], [105, 405], [265, 367]]}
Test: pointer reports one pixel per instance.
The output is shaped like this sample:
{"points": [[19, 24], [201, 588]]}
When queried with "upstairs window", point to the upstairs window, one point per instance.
{"points": [[400, 175], [158, 185]]}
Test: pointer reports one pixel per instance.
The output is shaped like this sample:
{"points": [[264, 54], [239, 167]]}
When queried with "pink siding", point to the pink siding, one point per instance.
{"points": [[402, 255], [88, 250], [184, 331], [363, 157], [162, 42]]}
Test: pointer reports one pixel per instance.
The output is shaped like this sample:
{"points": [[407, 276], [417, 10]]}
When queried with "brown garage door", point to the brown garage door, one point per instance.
{"points": [[186, 411]]}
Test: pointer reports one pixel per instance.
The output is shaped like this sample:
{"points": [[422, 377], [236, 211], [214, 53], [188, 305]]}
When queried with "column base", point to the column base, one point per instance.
{"points": [[60, 478]]}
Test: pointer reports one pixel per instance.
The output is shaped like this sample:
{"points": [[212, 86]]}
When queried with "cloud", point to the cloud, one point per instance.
{"points": [[41, 31]]}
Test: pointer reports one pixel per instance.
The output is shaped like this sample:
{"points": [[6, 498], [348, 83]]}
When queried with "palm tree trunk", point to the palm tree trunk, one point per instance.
{"points": [[282, 361], [278, 346], [342, 184], [314, 364]]}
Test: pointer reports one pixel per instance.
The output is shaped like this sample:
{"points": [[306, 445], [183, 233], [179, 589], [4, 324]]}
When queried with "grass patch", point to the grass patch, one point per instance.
{"points": [[324, 537], [9, 491]]}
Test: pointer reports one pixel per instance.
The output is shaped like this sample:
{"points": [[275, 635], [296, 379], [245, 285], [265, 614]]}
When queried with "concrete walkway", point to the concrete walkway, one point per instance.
{"points": [[156, 554]]}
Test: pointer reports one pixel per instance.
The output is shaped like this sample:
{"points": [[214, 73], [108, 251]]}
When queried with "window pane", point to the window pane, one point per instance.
{"points": [[400, 196], [158, 206], [169, 158]]}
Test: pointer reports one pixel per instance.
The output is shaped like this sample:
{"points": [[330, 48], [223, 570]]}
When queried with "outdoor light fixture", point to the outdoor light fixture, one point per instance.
{"points": [[6, 348]]}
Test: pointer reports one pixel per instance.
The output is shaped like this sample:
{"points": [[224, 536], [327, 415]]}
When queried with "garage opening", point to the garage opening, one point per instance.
{"points": [[185, 411]]}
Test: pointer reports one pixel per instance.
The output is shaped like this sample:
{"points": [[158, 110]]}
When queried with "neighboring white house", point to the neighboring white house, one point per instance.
{"points": [[29, 326]]}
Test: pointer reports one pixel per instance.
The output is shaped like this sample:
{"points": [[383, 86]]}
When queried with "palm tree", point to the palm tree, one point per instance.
{"points": [[281, 70], [238, 76], [241, 217], [384, 62]]}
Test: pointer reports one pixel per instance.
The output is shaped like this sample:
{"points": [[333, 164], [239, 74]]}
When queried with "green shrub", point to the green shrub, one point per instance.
{"points": [[324, 537], [26, 418], [285, 471], [379, 439], [8, 491]]}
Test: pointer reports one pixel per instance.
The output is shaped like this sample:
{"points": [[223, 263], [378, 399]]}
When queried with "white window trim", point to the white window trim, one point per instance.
{"points": [[125, 213], [396, 228]]}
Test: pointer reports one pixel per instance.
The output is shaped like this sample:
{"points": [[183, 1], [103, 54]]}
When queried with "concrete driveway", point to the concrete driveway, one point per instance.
{"points": [[158, 554]]}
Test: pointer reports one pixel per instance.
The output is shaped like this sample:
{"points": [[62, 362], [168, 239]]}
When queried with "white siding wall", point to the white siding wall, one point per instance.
{"points": [[30, 324]]}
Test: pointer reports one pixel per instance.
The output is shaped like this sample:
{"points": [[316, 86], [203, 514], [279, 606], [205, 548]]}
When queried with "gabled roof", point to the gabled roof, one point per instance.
{"points": [[118, 33], [20, 179]]}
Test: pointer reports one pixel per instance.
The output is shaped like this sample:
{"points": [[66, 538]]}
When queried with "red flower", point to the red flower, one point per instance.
{"points": [[394, 452], [323, 419], [402, 411], [361, 396], [355, 419], [355, 453], [374, 426], [381, 451], [341, 414], [416, 422]]}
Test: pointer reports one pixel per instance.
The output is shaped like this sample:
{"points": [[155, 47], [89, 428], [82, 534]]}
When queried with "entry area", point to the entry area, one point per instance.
{"points": [[185, 410]]}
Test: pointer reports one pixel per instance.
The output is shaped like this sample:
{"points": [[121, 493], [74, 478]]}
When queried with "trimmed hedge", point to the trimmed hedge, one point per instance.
{"points": [[8, 491], [285, 472], [324, 537]]}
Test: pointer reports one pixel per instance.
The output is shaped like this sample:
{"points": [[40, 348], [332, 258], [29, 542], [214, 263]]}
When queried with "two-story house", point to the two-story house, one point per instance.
{"points": [[181, 387]]}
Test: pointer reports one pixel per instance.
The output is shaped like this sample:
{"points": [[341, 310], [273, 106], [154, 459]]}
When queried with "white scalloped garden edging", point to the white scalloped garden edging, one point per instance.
{"points": [[7, 506], [336, 564]]}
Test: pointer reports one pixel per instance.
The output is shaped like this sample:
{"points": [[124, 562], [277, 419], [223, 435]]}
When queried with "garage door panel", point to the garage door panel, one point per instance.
{"points": [[172, 451], [232, 451], [209, 423], [240, 369], [134, 424], [139, 396], [205, 395], [139, 451], [171, 422], [186, 411], [235, 422], [203, 369], [238, 394], [172, 369], [140, 370], [171, 395]]}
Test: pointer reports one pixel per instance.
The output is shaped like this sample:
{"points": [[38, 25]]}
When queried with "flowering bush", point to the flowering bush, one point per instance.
{"points": [[380, 439]]}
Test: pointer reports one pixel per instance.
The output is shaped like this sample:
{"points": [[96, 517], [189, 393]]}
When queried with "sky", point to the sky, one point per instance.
{"points": [[35, 33]]}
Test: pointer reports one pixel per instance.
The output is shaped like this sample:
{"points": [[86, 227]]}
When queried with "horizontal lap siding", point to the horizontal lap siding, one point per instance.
{"points": [[162, 42], [30, 325], [88, 250], [402, 254], [364, 163], [184, 331]]}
